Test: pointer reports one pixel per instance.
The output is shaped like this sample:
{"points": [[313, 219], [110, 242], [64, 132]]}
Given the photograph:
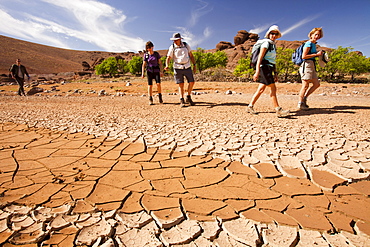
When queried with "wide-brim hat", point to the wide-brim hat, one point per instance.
{"points": [[176, 36], [323, 59], [273, 28]]}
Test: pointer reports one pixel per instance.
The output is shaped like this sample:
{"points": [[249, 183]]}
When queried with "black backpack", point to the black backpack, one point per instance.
{"points": [[256, 51]]}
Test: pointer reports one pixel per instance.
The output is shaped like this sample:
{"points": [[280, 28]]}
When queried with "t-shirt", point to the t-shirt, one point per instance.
{"points": [[312, 50], [270, 56], [180, 55], [20, 74], [152, 61]]}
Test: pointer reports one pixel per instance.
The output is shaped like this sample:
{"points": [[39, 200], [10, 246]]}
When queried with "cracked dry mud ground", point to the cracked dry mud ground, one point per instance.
{"points": [[114, 171]]}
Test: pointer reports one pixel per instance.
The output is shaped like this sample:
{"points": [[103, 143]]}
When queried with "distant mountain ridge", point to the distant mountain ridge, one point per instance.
{"points": [[42, 59]]}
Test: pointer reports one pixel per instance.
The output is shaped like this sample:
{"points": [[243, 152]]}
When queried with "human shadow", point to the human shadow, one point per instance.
{"points": [[228, 104], [328, 111]]}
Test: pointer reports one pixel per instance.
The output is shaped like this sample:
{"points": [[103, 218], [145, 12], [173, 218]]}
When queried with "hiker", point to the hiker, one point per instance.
{"points": [[154, 70], [181, 54], [18, 72], [307, 70], [266, 71]]}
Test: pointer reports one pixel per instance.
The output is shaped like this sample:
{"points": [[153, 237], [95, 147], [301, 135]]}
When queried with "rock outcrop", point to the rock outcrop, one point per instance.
{"points": [[223, 45]]}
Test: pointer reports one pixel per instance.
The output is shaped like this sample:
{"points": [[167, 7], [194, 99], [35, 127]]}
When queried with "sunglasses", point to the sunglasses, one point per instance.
{"points": [[274, 33]]}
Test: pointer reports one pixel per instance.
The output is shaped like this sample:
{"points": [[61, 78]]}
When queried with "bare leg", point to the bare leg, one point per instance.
{"points": [[304, 89], [181, 90], [159, 88], [190, 87], [150, 90], [273, 95], [261, 88], [315, 85]]}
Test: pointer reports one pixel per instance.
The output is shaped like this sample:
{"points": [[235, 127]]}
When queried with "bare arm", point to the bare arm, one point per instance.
{"points": [[305, 54], [168, 59], [192, 59], [160, 66], [143, 69]]}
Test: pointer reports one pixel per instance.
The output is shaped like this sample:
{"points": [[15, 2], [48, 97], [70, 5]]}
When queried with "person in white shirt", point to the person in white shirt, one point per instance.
{"points": [[182, 57]]}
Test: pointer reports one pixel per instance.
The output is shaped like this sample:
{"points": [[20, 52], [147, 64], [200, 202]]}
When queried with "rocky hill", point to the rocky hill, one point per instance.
{"points": [[42, 59]]}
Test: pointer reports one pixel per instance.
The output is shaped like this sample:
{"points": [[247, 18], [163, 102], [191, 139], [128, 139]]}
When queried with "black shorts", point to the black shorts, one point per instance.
{"points": [[267, 74], [153, 76]]}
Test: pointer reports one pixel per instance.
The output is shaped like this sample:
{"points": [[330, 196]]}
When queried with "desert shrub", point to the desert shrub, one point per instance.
{"points": [[111, 66], [135, 65], [284, 65], [170, 65], [206, 60], [343, 61], [243, 68]]}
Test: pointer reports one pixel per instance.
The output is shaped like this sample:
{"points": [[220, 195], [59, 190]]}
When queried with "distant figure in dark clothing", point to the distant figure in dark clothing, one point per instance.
{"points": [[18, 72]]}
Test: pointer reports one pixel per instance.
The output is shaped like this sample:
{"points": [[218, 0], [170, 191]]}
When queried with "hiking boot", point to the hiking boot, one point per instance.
{"points": [[302, 106], [189, 100], [182, 102], [282, 113], [251, 110], [160, 98], [151, 100]]}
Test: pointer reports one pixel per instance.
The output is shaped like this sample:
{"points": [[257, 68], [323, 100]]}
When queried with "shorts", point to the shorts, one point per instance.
{"points": [[266, 76], [180, 73], [153, 76], [308, 70]]}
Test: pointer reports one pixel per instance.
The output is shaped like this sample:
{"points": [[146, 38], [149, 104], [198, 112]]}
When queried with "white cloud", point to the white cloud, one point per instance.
{"points": [[300, 23], [100, 24], [187, 33], [34, 31], [199, 12], [89, 20]]}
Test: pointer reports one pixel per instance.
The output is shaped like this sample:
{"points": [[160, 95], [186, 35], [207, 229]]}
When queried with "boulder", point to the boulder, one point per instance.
{"points": [[85, 66], [35, 90], [253, 37], [223, 45], [97, 62], [241, 37]]}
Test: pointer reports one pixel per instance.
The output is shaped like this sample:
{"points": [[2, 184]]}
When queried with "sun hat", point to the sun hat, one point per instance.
{"points": [[176, 36], [323, 59], [273, 28]]}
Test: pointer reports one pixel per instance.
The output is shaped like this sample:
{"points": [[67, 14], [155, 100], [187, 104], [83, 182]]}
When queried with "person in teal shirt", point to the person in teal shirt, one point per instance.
{"points": [[266, 72], [307, 70]]}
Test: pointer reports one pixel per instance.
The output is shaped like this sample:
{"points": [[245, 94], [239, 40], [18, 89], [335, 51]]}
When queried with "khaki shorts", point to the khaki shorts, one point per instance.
{"points": [[308, 70]]}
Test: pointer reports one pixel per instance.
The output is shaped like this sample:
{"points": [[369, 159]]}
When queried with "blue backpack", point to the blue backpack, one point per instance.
{"points": [[297, 55]]}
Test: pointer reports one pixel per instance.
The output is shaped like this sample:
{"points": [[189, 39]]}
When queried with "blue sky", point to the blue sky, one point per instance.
{"points": [[122, 25]]}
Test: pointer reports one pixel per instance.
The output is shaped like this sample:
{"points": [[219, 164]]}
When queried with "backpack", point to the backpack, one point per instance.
{"points": [[297, 55], [185, 45], [256, 51]]}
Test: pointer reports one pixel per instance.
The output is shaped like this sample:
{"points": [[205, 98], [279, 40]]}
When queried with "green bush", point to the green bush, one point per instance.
{"points": [[111, 66], [135, 65], [206, 60]]}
